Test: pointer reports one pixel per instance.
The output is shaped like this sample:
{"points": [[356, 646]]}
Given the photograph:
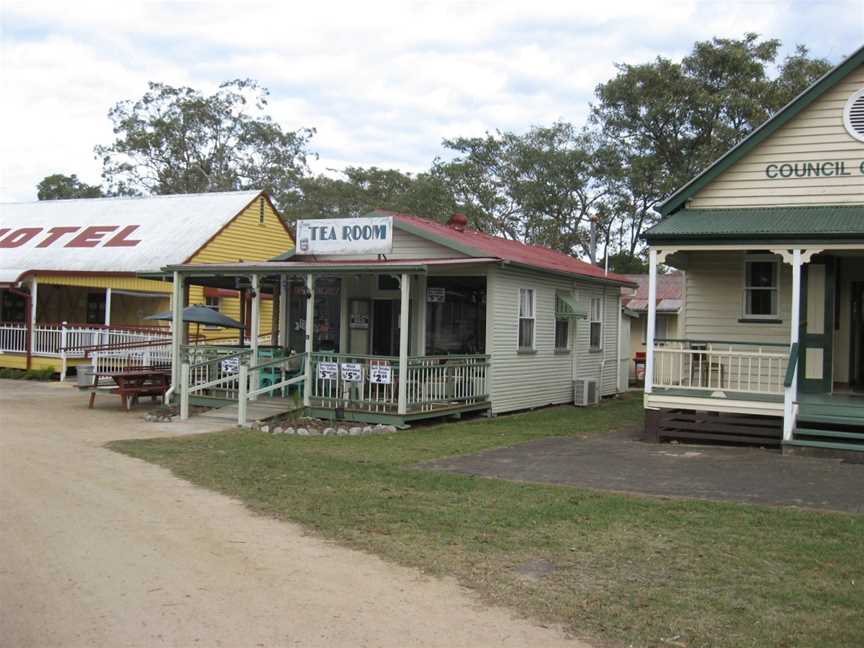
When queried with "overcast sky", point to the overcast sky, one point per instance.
{"points": [[382, 83]]}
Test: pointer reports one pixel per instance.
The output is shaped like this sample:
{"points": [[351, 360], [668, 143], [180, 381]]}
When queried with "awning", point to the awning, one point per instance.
{"points": [[816, 223], [566, 307]]}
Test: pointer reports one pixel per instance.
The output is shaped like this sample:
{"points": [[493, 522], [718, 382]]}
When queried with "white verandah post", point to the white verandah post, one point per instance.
{"points": [[177, 325], [283, 310], [34, 299], [405, 284], [651, 321], [256, 330], [790, 394], [310, 330]]}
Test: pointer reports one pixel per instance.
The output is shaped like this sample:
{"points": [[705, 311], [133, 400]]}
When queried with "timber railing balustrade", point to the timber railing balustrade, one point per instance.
{"points": [[757, 368], [371, 383]]}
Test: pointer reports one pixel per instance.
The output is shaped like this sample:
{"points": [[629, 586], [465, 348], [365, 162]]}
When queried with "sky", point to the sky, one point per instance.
{"points": [[382, 82]]}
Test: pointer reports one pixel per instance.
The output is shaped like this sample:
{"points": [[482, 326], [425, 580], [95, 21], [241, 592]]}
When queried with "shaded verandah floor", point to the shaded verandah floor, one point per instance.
{"points": [[620, 462]]}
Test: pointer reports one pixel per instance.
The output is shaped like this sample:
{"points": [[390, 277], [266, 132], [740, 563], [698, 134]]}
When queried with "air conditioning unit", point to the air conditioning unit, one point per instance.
{"points": [[585, 393]]}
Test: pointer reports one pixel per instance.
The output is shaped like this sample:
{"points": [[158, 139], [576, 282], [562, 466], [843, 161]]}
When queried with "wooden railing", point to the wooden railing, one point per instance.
{"points": [[72, 340], [371, 383], [212, 371], [745, 367]]}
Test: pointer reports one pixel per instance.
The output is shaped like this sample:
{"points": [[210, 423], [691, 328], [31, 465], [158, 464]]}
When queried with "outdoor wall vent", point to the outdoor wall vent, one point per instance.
{"points": [[853, 115]]}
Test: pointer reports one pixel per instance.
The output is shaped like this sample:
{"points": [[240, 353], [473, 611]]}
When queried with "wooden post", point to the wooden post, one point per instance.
{"points": [[420, 314], [243, 317], [63, 363], [282, 325], [242, 400], [651, 321], [790, 394], [403, 343], [176, 333], [31, 325], [256, 329], [310, 331], [184, 390]]}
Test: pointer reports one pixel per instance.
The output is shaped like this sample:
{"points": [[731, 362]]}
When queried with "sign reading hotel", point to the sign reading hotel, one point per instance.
{"points": [[69, 236], [819, 169], [368, 235]]}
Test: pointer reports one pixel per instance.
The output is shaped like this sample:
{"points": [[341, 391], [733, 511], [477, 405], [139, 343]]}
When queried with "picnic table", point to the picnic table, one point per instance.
{"points": [[132, 384]]}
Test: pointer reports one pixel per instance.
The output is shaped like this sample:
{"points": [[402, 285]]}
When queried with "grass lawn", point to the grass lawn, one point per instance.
{"points": [[639, 571]]}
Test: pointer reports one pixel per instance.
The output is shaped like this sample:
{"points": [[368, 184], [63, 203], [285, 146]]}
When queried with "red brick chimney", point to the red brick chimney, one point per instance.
{"points": [[458, 222]]}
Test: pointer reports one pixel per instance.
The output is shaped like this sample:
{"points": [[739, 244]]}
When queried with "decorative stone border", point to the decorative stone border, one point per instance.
{"points": [[311, 430]]}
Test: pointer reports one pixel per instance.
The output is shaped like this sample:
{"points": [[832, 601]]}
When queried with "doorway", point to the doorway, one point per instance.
{"points": [[385, 327], [856, 338], [817, 326]]}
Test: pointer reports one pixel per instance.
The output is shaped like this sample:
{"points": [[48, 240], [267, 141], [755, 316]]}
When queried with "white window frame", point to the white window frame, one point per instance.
{"points": [[592, 321], [532, 318], [761, 258]]}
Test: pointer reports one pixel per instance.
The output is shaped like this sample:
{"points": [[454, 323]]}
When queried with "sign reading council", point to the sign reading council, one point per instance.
{"points": [[366, 235]]}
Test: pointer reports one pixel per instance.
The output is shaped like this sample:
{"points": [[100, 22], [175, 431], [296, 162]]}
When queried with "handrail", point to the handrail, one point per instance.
{"points": [[793, 363], [204, 363], [738, 342]]}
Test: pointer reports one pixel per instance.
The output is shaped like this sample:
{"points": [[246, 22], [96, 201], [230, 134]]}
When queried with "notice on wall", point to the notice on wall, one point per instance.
{"points": [[328, 370], [380, 373], [367, 235], [230, 365], [436, 295], [352, 372]]}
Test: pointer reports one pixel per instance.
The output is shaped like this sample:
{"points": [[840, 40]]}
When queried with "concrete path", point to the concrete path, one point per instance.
{"points": [[621, 463], [98, 549]]}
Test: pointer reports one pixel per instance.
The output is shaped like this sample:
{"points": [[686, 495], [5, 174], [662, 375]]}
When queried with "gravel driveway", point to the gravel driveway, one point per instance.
{"points": [[98, 549]]}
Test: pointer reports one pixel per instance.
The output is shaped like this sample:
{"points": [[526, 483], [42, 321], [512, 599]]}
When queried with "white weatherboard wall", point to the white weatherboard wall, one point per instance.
{"points": [[714, 301], [526, 380], [816, 134]]}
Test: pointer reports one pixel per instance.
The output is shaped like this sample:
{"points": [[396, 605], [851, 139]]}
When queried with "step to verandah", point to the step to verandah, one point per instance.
{"points": [[852, 436], [825, 445], [819, 419]]}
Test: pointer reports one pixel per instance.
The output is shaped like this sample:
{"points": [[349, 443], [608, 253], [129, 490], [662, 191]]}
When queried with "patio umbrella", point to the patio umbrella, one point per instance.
{"points": [[200, 314]]}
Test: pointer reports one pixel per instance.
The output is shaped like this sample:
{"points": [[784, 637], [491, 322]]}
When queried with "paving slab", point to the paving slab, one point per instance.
{"points": [[622, 463]]}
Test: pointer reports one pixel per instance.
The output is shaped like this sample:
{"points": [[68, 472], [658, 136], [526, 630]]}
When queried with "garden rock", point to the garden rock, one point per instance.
{"points": [[368, 430], [302, 432], [265, 429], [278, 430], [342, 432], [290, 430], [329, 431], [355, 431]]}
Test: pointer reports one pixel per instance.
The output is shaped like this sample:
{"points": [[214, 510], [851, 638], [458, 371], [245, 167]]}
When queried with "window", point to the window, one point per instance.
{"points": [[596, 332], [659, 329], [760, 288], [526, 318], [95, 308], [562, 324]]}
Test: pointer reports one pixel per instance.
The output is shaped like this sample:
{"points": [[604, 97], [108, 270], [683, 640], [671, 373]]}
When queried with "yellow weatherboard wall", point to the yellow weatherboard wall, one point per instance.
{"points": [[246, 238]]}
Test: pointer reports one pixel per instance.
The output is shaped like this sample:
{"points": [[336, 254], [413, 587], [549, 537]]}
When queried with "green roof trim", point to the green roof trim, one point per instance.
{"points": [[566, 307], [822, 222], [677, 200]]}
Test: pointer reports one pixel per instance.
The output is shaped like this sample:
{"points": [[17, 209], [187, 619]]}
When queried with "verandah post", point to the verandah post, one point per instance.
{"points": [[63, 362], [255, 330], [402, 407], [651, 322], [310, 330], [176, 332], [283, 311], [790, 394], [184, 391]]}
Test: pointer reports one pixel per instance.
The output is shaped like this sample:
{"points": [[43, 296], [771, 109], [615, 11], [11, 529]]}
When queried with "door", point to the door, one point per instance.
{"points": [[856, 338], [817, 327], [385, 327]]}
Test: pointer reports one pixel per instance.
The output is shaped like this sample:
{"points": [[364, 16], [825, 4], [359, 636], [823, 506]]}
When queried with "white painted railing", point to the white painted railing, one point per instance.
{"points": [[72, 340], [157, 356], [269, 378], [212, 371], [744, 367], [371, 383]]}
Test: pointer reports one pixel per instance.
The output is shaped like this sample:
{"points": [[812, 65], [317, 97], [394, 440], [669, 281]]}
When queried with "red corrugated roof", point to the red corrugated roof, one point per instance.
{"points": [[508, 250], [669, 286]]}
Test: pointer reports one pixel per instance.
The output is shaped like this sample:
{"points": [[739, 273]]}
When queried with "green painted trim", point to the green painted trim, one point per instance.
{"points": [[745, 146], [790, 367], [600, 281], [211, 401], [736, 343], [749, 239]]}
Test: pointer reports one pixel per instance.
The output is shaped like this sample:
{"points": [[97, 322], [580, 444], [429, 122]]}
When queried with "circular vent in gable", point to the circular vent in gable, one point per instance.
{"points": [[853, 115]]}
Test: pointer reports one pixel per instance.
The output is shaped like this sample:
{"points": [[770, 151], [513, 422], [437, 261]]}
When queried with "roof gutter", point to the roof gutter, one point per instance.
{"points": [[604, 281]]}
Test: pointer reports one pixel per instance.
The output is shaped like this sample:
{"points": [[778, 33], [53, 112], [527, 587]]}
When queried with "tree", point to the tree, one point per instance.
{"points": [[540, 187], [667, 121], [360, 190], [179, 140], [58, 186]]}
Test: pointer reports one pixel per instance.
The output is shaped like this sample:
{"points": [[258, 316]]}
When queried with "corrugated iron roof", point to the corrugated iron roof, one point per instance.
{"points": [[812, 222], [168, 230], [670, 291], [480, 244]]}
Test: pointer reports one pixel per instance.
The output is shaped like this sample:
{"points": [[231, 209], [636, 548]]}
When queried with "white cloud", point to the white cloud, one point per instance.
{"points": [[383, 82]]}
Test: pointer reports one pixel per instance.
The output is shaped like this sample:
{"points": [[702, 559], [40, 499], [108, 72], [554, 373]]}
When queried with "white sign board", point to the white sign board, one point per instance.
{"points": [[352, 372], [380, 374], [328, 370], [436, 295], [367, 235]]}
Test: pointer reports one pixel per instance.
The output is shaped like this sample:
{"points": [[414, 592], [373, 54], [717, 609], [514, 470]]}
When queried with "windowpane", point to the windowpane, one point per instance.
{"points": [[761, 274], [595, 335], [760, 291], [526, 333], [562, 327], [526, 302]]}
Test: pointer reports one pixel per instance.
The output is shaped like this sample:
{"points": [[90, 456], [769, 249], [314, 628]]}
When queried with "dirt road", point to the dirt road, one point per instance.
{"points": [[98, 549]]}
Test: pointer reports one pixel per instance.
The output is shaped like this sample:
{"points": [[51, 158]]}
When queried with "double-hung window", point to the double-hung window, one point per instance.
{"points": [[596, 324], [761, 288], [527, 310], [562, 325]]}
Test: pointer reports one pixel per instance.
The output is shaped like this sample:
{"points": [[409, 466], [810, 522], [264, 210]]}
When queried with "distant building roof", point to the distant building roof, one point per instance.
{"points": [[479, 244], [111, 235], [670, 292]]}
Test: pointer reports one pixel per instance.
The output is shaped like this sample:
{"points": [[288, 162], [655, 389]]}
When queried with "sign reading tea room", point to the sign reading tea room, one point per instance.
{"points": [[367, 235]]}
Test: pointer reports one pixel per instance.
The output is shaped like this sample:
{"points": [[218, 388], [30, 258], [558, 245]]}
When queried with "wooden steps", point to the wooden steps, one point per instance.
{"points": [[835, 426]]}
